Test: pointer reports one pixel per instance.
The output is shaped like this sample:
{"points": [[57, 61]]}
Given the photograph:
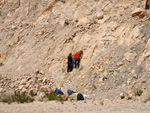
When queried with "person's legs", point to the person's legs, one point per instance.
{"points": [[149, 3], [68, 68], [71, 67], [78, 62], [75, 62]]}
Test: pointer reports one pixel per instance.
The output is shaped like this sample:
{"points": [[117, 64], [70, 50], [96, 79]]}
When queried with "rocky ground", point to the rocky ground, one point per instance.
{"points": [[36, 37]]}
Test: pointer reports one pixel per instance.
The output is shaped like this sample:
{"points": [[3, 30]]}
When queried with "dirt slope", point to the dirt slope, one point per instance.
{"points": [[115, 46]]}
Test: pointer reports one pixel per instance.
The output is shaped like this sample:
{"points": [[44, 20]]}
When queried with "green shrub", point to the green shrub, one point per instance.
{"points": [[102, 102], [122, 97], [16, 97], [129, 98], [21, 97], [56, 96], [139, 93]]}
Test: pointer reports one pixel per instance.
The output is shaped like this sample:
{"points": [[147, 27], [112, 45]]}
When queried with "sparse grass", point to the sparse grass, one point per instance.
{"points": [[122, 97], [56, 96], [129, 98], [139, 93], [102, 102], [131, 48], [19, 97], [1, 64]]}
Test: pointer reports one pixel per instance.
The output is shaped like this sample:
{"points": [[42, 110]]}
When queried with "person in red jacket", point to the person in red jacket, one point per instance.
{"points": [[77, 59]]}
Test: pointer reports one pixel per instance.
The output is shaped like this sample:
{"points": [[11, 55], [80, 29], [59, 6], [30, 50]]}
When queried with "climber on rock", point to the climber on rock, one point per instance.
{"points": [[77, 60], [70, 63], [147, 6]]}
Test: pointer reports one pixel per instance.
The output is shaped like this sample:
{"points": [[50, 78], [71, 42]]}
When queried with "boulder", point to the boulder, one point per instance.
{"points": [[129, 56], [101, 79], [13, 27], [21, 87], [83, 20], [23, 81], [107, 88], [135, 76], [24, 90], [43, 89], [102, 21], [137, 11], [122, 95], [120, 63], [145, 54], [40, 32], [100, 15]]}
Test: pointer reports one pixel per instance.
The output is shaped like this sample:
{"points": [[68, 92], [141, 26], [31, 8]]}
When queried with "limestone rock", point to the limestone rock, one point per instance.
{"points": [[45, 80], [102, 21], [136, 32], [129, 92], [132, 71], [120, 63], [121, 94], [23, 81], [83, 21], [13, 27], [13, 85], [40, 32], [136, 11], [146, 96], [44, 89], [100, 15], [128, 82], [135, 76], [101, 80], [107, 87], [145, 53], [21, 87], [1, 90], [129, 56], [24, 89]]}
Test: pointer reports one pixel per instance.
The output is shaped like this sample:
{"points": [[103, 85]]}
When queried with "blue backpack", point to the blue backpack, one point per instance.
{"points": [[59, 91], [69, 92]]}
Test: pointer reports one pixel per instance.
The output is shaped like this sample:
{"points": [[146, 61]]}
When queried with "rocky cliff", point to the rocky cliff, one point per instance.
{"points": [[36, 37]]}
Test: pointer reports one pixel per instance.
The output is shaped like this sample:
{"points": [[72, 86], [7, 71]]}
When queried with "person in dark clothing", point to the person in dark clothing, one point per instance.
{"points": [[147, 6], [70, 63], [77, 60]]}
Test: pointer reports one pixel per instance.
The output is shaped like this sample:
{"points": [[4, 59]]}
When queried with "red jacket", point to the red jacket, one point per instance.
{"points": [[77, 55]]}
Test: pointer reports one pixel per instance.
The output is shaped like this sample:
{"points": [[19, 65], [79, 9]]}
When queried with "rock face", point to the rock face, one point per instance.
{"points": [[129, 56], [34, 46]]}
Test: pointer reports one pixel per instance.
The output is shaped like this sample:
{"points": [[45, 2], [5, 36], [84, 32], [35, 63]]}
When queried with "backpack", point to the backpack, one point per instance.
{"points": [[80, 96], [69, 92], [59, 91]]}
